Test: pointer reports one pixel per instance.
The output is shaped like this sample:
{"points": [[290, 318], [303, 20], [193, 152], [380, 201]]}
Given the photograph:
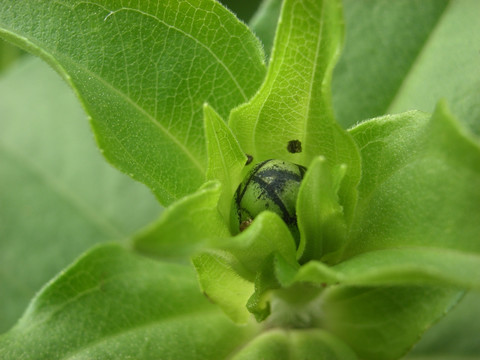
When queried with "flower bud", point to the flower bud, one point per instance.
{"points": [[271, 185]]}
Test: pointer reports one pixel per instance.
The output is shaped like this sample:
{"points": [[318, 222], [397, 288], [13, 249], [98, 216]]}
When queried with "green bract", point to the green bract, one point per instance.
{"points": [[271, 185]]}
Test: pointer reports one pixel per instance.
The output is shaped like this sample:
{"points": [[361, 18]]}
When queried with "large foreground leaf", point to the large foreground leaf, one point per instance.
{"points": [[383, 323], [295, 345], [420, 184], [58, 197], [112, 304], [142, 71], [455, 337]]}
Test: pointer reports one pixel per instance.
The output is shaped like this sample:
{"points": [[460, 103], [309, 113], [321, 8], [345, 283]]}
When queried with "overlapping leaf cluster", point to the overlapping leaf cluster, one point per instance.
{"points": [[388, 211]]}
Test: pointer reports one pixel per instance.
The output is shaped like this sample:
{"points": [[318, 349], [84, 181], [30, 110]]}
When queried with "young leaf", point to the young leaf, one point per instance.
{"points": [[383, 323], [320, 217], [267, 234], [142, 72], [112, 304], [227, 276], [185, 227], [222, 284], [58, 197], [295, 344], [226, 159], [405, 266], [383, 42], [420, 184], [294, 100]]}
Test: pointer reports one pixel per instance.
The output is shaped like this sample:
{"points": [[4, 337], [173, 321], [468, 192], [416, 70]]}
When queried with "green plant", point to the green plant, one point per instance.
{"points": [[178, 93]]}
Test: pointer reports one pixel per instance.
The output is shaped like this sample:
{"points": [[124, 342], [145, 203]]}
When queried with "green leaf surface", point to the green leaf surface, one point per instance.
{"points": [[143, 73], [294, 101], [320, 217], [185, 227], [58, 197], [112, 304], [420, 184], [252, 246], [295, 345], [222, 284], [264, 22], [383, 323], [226, 159], [406, 55], [404, 266], [455, 337], [228, 275], [383, 41], [8, 54], [448, 67]]}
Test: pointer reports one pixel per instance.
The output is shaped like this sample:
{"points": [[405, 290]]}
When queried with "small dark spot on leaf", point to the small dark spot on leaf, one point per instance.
{"points": [[245, 224], [294, 146], [249, 159], [208, 297]]}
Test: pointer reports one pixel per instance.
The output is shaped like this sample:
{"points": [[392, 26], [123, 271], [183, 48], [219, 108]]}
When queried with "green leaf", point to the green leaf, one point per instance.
{"points": [[383, 323], [8, 54], [320, 217], [112, 304], [455, 337], [228, 275], [226, 159], [252, 246], [58, 196], [185, 227], [413, 266], [264, 22], [447, 67], [292, 344], [405, 266], [382, 44], [142, 72], [294, 101], [405, 55], [420, 184], [222, 284]]}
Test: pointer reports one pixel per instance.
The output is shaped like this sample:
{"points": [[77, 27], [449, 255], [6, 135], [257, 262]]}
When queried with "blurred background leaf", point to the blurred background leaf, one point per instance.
{"points": [[58, 195], [404, 55], [456, 337]]}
